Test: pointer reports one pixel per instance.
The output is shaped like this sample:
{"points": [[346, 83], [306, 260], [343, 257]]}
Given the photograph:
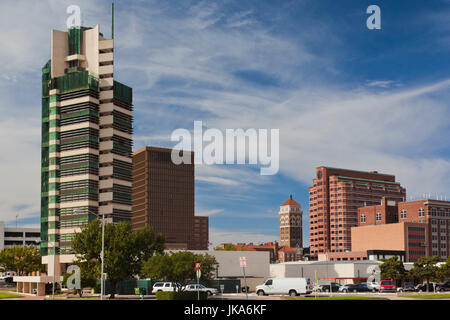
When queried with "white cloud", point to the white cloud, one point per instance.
{"points": [[403, 132], [380, 83], [208, 213]]}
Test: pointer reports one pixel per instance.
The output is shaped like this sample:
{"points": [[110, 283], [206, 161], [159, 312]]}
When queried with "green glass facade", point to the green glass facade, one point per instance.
{"points": [[71, 166]]}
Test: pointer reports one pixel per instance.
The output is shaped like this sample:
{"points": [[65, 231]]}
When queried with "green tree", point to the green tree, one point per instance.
{"points": [[22, 260], [443, 272], [124, 250], [425, 268], [179, 267], [393, 268]]}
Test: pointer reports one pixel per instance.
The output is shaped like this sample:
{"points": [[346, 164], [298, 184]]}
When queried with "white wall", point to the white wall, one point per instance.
{"points": [[332, 269], [2, 235], [258, 263]]}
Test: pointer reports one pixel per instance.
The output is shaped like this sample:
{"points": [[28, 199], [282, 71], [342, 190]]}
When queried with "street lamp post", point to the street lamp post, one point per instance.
{"points": [[331, 288], [54, 271], [102, 288], [102, 278]]}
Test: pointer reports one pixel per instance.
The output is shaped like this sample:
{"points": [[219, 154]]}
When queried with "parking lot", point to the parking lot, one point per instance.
{"points": [[365, 295]]}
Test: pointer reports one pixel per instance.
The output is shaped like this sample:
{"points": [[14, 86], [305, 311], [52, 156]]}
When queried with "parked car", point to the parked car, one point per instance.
{"points": [[193, 287], [426, 288], [165, 286], [373, 286], [387, 285], [326, 287], [291, 286], [443, 286], [407, 286], [362, 287]]}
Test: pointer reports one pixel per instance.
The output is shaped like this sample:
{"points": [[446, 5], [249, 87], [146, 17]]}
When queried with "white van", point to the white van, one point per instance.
{"points": [[290, 286]]}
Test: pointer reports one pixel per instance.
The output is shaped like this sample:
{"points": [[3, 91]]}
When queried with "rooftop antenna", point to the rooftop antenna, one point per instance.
{"points": [[112, 20]]}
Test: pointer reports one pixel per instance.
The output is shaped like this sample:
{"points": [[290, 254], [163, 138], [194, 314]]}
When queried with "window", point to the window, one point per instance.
{"points": [[433, 211], [378, 217], [403, 214], [363, 218], [13, 234], [421, 212]]}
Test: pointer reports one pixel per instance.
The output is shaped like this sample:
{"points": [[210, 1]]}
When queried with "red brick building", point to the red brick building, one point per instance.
{"points": [[422, 229], [436, 215], [277, 253], [334, 200], [386, 212]]}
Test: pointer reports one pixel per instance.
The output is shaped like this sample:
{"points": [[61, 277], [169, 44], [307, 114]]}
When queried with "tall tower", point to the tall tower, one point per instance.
{"points": [[291, 214], [86, 141], [164, 199], [334, 199]]}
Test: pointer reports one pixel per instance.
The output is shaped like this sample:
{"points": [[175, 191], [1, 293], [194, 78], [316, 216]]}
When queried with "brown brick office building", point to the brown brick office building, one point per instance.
{"points": [[164, 199], [334, 200]]}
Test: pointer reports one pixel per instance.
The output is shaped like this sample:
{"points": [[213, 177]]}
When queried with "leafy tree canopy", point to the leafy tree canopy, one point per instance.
{"points": [[392, 268], [179, 267], [22, 260], [124, 250]]}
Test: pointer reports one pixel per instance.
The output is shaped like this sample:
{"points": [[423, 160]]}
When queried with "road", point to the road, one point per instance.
{"points": [[237, 296], [253, 296]]}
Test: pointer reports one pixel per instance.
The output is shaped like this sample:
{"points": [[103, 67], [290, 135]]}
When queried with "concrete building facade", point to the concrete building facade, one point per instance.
{"points": [[10, 237], [86, 141], [334, 200]]}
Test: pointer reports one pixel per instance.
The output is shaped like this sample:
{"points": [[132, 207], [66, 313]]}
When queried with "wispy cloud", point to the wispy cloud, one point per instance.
{"points": [[207, 213], [380, 83], [203, 62]]}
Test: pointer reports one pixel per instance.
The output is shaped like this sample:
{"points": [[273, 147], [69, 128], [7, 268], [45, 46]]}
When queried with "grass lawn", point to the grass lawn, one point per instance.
{"points": [[6, 289], [8, 296], [426, 296], [339, 298]]}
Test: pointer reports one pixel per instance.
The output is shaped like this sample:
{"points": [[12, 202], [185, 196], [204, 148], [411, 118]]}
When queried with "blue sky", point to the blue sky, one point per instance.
{"points": [[341, 95]]}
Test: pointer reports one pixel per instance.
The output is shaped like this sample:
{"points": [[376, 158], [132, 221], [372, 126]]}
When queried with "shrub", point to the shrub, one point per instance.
{"points": [[97, 288], [184, 295]]}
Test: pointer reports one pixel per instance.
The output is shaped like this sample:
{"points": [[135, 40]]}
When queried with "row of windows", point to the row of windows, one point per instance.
{"points": [[20, 235]]}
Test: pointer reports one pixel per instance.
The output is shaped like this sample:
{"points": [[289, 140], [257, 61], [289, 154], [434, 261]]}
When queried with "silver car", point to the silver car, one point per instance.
{"points": [[373, 286], [193, 287]]}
